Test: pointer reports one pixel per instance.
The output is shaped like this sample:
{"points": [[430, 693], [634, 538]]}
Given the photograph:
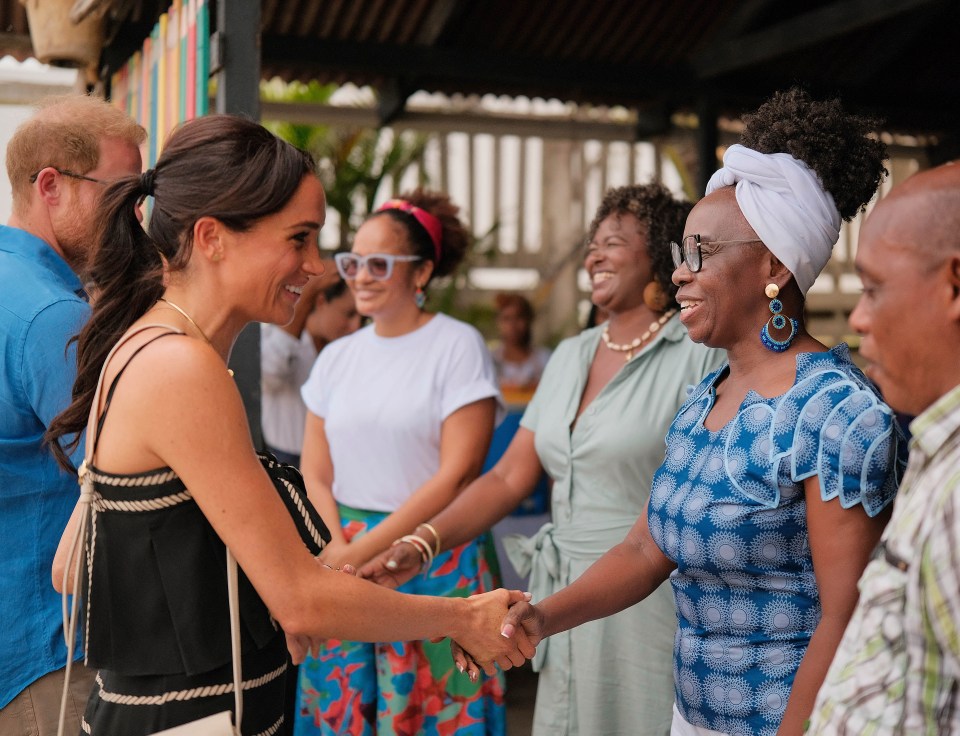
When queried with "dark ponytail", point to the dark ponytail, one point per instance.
{"points": [[127, 276], [220, 166]]}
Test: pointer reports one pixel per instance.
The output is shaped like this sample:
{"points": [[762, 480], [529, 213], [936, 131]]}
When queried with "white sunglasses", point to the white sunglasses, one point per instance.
{"points": [[379, 265]]}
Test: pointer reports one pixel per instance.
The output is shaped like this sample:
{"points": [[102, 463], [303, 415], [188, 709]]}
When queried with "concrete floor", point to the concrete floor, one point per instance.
{"points": [[521, 692]]}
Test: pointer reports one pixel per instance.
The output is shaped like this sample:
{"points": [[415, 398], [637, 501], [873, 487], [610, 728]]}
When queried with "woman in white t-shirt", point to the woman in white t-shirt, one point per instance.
{"points": [[399, 419]]}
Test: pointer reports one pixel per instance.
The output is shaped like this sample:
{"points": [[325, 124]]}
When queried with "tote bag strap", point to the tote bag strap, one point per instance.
{"points": [[232, 590], [76, 555]]}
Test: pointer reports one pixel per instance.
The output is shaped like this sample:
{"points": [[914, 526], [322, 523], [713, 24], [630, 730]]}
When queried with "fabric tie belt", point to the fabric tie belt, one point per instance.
{"points": [[541, 556]]}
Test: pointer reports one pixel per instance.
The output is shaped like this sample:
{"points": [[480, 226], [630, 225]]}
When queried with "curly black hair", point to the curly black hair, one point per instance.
{"points": [[660, 214], [830, 141], [454, 239]]}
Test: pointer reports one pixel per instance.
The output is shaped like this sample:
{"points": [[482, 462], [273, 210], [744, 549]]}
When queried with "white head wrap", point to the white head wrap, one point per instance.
{"points": [[784, 202]]}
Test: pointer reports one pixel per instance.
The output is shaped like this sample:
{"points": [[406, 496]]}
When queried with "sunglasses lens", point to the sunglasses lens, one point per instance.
{"points": [[348, 264], [378, 266]]}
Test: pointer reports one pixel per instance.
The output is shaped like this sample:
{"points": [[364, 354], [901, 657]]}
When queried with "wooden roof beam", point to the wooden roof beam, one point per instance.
{"points": [[440, 17], [433, 65], [801, 32]]}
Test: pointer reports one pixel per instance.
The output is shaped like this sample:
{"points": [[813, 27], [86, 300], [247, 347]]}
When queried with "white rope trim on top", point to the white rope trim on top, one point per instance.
{"points": [[269, 732], [273, 729], [304, 514], [146, 504], [133, 481], [188, 694]]}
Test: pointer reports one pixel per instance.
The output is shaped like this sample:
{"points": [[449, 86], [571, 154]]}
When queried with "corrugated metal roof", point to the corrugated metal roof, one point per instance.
{"points": [[892, 57]]}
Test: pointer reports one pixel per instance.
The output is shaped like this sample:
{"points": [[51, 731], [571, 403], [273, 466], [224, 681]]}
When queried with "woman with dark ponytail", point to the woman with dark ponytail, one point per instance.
{"points": [[171, 479]]}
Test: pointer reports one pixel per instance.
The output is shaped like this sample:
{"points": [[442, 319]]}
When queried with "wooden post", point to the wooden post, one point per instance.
{"points": [[238, 91]]}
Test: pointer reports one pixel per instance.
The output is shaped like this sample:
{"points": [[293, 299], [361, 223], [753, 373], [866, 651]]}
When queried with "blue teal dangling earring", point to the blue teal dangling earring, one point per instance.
{"points": [[779, 322], [419, 297]]}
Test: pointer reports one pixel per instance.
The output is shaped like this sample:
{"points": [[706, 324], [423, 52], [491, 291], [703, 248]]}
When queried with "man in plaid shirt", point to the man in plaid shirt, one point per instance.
{"points": [[897, 670]]}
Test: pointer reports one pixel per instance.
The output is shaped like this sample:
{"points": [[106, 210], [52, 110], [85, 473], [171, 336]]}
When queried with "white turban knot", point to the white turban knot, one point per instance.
{"points": [[784, 202]]}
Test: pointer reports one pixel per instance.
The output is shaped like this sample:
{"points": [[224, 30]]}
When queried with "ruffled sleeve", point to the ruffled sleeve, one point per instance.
{"points": [[831, 424]]}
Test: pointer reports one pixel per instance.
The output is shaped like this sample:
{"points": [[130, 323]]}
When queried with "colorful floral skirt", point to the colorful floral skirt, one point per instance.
{"points": [[407, 688]]}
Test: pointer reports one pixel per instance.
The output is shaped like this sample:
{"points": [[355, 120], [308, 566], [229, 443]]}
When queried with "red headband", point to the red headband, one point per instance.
{"points": [[428, 222]]}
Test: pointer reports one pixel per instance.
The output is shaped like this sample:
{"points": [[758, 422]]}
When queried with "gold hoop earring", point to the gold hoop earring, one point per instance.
{"points": [[655, 297]]}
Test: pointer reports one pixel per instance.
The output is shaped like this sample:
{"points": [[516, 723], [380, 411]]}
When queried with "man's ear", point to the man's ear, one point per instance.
{"points": [[951, 270], [48, 186]]}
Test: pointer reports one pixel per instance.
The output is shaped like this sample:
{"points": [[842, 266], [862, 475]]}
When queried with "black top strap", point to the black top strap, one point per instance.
{"points": [[113, 385]]}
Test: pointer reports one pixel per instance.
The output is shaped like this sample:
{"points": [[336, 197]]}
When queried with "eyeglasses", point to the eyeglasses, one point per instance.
{"points": [[379, 265], [688, 250], [67, 172]]}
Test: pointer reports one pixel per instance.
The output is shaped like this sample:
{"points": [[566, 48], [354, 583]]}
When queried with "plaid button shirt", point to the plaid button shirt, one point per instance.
{"points": [[897, 670]]}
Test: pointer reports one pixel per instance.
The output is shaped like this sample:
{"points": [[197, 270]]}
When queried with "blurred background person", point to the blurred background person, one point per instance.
{"points": [[399, 422], [325, 312], [519, 363]]}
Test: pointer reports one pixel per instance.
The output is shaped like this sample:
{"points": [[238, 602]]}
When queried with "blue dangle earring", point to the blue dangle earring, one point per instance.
{"points": [[419, 297], [778, 321]]}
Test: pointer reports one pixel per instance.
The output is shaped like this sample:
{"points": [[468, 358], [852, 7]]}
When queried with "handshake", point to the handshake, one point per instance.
{"points": [[501, 627]]}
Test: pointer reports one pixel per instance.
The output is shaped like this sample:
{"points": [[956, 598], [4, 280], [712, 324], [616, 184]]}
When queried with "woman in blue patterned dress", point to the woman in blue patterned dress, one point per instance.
{"points": [[781, 465]]}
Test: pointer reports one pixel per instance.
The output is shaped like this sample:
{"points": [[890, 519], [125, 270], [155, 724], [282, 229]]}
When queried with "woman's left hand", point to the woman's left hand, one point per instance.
{"points": [[464, 661], [300, 646], [340, 554]]}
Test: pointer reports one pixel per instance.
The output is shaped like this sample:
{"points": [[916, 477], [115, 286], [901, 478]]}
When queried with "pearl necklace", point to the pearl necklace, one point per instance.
{"points": [[196, 326], [632, 346]]}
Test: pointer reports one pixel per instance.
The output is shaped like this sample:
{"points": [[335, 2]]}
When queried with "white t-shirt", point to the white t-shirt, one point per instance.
{"points": [[383, 401], [285, 363]]}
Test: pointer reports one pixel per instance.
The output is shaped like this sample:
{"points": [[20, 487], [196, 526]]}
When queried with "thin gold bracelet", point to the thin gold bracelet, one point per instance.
{"points": [[436, 536]]}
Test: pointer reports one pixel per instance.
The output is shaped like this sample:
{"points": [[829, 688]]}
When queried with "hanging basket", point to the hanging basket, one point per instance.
{"points": [[57, 40]]}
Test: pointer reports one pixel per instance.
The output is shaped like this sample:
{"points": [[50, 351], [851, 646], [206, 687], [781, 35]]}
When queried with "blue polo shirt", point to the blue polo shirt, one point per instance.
{"points": [[41, 308]]}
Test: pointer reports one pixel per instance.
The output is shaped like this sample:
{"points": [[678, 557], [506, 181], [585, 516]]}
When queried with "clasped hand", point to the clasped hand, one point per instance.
{"points": [[498, 634], [393, 567]]}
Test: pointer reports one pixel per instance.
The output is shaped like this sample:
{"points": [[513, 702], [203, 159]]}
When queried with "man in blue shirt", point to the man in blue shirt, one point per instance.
{"points": [[59, 163]]}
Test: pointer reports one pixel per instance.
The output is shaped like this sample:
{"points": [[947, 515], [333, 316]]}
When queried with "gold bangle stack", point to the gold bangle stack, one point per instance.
{"points": [[436, 536], [420, 544]]}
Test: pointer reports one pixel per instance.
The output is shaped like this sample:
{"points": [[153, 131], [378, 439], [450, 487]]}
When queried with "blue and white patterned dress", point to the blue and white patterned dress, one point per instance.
{"points": [[729, 508]]}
